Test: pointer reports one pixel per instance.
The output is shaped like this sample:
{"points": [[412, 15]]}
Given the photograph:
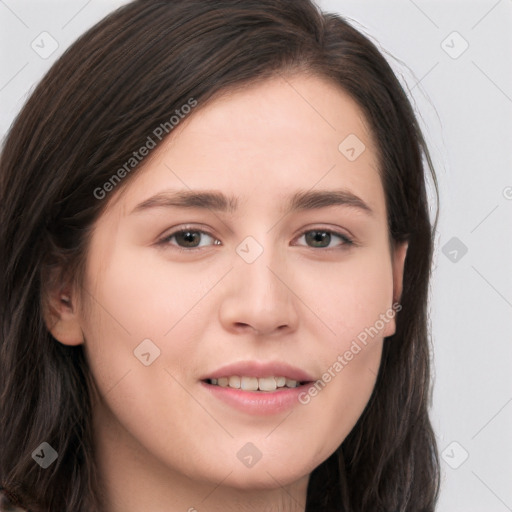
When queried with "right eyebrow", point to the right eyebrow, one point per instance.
{"points": [[211, 200]]}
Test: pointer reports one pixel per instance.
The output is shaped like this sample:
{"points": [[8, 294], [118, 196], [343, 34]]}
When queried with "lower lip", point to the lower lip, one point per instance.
{"points": [[261, 403]]}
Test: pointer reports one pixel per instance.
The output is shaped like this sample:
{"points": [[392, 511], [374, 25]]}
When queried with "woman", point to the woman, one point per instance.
{"points": [[217, 251]]}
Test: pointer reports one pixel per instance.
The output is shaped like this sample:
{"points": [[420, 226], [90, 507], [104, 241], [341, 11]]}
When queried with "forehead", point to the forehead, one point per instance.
{"points": [[264, 142]]}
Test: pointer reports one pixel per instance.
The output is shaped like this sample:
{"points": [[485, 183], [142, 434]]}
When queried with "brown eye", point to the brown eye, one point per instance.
{"points": [[188, 239], [321, 238]]}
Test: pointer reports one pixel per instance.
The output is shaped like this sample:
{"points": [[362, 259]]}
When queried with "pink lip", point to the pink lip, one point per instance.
{"points": [[260, 403], [260, 370]]}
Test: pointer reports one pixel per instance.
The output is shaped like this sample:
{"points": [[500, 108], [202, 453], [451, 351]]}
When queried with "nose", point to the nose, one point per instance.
{"points": [[259, 297]]}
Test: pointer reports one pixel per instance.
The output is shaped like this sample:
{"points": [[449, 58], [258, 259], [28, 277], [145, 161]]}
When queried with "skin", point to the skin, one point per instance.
{"points": [[162, 442]]}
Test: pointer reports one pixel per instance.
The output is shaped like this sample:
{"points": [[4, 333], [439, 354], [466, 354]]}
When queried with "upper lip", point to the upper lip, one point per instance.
{"points": [[260, 369]]}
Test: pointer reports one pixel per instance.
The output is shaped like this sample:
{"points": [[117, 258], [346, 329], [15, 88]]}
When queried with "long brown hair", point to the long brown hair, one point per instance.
{"points": [[93, 109]]}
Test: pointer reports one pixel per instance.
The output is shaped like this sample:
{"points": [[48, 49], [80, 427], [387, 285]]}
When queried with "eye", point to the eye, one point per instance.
{"points": [[188, 239], [321, 238]]}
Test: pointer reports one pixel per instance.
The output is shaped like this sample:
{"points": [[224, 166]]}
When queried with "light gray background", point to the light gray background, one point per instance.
{"points": [[464, 99]]}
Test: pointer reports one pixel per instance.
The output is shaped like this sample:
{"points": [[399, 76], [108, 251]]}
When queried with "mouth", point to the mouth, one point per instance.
{"points": [[257, 388], [262, 384], [266, 377]]}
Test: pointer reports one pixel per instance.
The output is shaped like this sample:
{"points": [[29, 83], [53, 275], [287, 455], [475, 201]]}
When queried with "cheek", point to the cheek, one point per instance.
{"points": [[146, 296], [135, 301], [143, 304], [354, 300], [350, 296], [342, 392]]}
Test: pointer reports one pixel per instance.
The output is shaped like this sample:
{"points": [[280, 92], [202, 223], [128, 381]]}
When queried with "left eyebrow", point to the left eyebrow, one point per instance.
{"points": [[316, 199], [217, 201]]}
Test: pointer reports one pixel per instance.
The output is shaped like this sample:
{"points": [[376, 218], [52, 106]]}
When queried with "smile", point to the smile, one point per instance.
{"points": [[267, 384]]}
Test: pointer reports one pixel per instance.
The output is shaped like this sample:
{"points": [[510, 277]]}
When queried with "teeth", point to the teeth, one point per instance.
{"points": [[267, 384], [234, 382], [255, 384], [249, 383]]}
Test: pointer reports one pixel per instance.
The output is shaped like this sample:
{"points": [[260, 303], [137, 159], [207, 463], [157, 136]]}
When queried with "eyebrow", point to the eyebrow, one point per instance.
{"points": [[218, 201]]}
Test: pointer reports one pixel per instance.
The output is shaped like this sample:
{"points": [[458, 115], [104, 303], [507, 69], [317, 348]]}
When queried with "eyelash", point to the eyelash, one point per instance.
{"points": [[347, 242]]}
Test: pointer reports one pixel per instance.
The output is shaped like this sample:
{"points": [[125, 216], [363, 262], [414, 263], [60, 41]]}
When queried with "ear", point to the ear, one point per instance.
{"points": [[60, 315], [398, 263], [400, 252]]}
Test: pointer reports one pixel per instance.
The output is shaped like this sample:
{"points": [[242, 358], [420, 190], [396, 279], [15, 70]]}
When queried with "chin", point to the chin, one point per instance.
{"points": [[260, 479], [270, 474]]}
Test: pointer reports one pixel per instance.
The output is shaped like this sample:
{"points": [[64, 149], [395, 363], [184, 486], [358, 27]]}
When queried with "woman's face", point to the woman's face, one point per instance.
{"points": [[286, 273]]}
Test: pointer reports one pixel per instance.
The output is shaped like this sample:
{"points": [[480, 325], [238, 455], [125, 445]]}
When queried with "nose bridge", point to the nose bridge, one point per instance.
{"points": [[258, 296], [260, 261]]}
